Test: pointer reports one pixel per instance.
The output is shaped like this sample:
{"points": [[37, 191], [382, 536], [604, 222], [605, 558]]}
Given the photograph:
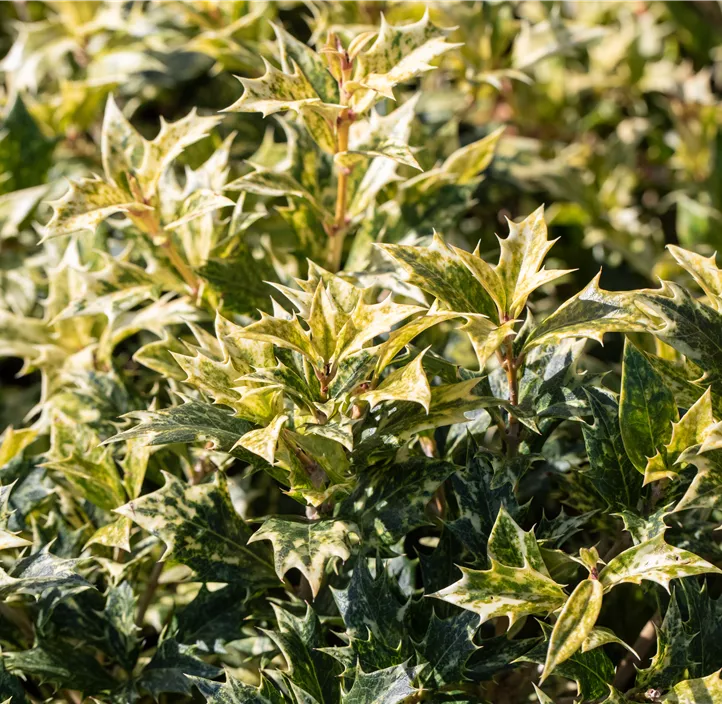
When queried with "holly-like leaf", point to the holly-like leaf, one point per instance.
{"points": [[389, 686], [307, 545], [447, 645], [653, 560], [646, 408], [87, 203], [190, 422], [574, 624], [514, 592], [407, 383], [612, 474], [520, 262], [690, 431], [704, 270], [691, 327], [591, 313], [388, 502], [233, 691], [398, 54], [513, 547], [170, 668], [40, 571], [179, 513]]}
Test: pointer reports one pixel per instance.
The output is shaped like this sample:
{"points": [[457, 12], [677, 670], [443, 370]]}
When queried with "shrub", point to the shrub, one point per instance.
{"points": [[288, 437]]}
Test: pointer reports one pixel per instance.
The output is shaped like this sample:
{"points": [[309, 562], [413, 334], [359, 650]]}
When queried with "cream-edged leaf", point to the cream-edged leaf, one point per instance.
{"points": [[307, 545]]}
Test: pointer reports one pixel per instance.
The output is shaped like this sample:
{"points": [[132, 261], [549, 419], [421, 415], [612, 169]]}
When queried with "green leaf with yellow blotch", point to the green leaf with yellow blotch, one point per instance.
{"points": [[407, 383], [688, 325], [705, 491], [398, 54], [703, 270], [613, 476], [704, 690], [574, 624], [653, 560], [438, 270], [87, 203], [514, 592], [646, 408], [520, 261], [14, 442], [190, 422], [308, 546], [591, 313], [8, 539], [179, 514], [691, 430], [509, 545]]}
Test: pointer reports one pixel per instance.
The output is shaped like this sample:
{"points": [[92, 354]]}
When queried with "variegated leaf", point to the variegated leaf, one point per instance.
{"points": [[407, 383], [691, 430], [653, 560], [511, 546], [86, 204], [704, 690], [514, 592], [647, 408], [574, 624], [308, 546], [703, 270], [201, 529], [591, 313]]}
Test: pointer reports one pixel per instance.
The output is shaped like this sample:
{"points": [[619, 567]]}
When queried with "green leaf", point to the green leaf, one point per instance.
{"points": [[87, 203], [40, 571], [439, 271], [591, 313], [592, 671], [703, 270], [388, 502], [520, 262], [646, 408], [25, 152], [234, 691], [398, 54], [392, 685], [686, 324], [446, 647], [574, 624], [512, 547], [653, 560], [190, 422], [178, 514], [705, 690], [612, 474], [407, 383], [691, 430], [309, 669], [170, 668], [514, 592], [307, 546]]}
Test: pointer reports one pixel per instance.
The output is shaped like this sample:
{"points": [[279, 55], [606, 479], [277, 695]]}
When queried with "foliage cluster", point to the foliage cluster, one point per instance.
{"points": [[289, 424]]}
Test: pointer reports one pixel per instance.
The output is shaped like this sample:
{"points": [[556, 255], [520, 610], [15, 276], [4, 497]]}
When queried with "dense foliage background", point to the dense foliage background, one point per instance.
{"points": [[316, 475]]}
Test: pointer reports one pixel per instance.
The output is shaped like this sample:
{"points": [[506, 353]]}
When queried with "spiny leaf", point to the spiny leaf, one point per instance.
{"points": [[389, 686], [653, 560], [513, 592], [180, 514], [591, 313], [307, 546]]}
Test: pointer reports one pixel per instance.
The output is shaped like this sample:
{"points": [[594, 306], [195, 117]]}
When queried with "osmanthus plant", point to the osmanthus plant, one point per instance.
{"points": [[406, 479]]}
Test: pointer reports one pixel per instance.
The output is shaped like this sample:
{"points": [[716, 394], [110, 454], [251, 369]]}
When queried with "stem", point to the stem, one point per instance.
{"points": [[511, 366], [337, 231]]}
